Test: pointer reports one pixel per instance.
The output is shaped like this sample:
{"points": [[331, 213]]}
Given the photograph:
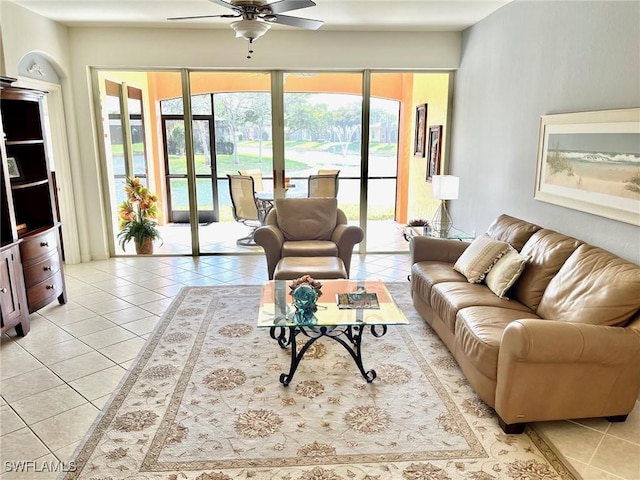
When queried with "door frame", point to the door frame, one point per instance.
{"points": [[179, 216], [59, 145]]}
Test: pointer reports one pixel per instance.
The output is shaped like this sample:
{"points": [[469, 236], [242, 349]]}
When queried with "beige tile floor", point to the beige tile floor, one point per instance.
{"points": [[54, 381]]}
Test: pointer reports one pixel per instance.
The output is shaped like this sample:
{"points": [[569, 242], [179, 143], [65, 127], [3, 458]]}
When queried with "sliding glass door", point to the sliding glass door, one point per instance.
{"points": [[275, 125], [125, 140], [322, 133], [238, 108]]}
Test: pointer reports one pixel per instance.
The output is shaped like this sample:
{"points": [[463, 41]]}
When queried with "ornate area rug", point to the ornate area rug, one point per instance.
{"points": [[203, 402]]}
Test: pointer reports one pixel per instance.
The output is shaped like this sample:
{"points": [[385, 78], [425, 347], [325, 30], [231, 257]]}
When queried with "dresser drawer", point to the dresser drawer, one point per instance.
{"points": [[45, 292], [36, 246], [40, 271]]}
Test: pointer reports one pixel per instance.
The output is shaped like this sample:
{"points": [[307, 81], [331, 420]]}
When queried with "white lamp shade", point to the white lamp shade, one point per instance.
{"points": [[250, 29], [445, 187]]}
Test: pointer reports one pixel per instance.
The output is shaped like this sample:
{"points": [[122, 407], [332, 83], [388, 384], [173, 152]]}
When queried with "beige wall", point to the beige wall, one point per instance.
{"points": [[434, 91], [24, 32]]}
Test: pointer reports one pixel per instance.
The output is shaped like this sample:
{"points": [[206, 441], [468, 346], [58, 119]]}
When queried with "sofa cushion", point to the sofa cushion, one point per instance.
{"points": [[290, 268], [506, 271], [512, 230], [593, 286], [307, 218], [448, 298], [479, 257], [479, 333], [424, 275], [309, 248], [548, 251]]}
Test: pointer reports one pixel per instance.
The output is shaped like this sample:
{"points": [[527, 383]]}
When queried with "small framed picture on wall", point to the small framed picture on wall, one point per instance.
{"points": [[421, 130], [433, 158]]}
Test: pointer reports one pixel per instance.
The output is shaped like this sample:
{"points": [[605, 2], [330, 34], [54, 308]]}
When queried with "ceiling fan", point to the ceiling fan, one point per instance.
{"points": [[256, 17]]}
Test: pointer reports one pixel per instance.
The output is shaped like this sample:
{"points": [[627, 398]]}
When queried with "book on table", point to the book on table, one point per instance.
{"points": [[357, 300]]}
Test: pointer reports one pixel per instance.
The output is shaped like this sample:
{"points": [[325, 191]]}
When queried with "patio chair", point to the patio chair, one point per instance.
{"points": [[323, 185], [244, 205], [257, 178], [307, 236], [328, 172]]}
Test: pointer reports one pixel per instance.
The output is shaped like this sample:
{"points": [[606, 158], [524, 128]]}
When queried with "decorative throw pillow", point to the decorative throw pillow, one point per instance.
{"points": [[476, 261], [506, 271]]}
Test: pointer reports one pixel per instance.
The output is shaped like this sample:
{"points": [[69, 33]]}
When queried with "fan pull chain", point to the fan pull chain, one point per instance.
{"points": [[250, 48]]}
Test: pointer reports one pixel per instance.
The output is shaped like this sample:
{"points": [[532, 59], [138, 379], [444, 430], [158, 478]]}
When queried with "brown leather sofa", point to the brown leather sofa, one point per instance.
{"points": [[564, 344]]}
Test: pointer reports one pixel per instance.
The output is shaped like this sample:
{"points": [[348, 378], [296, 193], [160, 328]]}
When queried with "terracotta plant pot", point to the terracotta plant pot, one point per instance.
{"points": [[146, 248]]}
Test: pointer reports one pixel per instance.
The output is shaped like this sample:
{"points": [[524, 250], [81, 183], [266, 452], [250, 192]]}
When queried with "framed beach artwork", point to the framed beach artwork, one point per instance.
{"points": [[590, 161], [421, 130]]}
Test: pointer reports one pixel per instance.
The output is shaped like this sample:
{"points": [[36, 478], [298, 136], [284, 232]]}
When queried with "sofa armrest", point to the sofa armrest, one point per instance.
{"points": [[271, 239], [346, 237], [550, 370], [425, 248], [551, 341]]}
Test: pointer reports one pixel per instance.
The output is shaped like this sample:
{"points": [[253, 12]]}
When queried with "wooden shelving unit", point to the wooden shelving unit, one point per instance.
{"points": [[32, 272]]}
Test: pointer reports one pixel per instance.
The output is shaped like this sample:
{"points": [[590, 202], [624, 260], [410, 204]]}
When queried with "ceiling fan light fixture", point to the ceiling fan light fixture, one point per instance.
{"points": [[250, 29]]}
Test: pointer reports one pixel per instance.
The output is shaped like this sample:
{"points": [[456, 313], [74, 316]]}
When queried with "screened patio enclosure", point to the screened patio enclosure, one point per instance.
{"points": [[182, 132]]}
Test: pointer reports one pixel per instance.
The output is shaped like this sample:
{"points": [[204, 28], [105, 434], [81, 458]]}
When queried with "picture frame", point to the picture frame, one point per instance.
{"points": [[421, 130], [590, 161], [14, 169], [433, 155]]}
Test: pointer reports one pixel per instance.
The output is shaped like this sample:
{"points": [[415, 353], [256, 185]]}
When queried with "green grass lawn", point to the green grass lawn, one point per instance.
{"points": [[228, 164]]}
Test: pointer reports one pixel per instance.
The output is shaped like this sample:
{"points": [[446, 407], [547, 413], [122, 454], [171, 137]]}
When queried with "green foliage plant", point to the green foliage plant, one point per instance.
{"points": [[138, 214], [633, 184], [559, 163]]}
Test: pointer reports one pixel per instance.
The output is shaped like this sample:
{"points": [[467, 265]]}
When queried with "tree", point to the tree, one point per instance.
{"points": [[304, 120], [175, 142], [345, 124], [229, 106], [258, 115]]}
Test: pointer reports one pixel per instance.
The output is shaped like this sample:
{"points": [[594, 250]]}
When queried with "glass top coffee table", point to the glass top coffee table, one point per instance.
{"points": [[345, 326]]}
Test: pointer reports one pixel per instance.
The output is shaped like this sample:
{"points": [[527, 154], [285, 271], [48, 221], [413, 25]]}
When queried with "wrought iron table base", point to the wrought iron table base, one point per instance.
{"points": [[286, 336]]}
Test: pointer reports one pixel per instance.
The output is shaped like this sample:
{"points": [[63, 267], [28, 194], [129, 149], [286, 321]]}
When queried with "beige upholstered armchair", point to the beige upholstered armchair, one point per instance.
{"points": [[310, 233]]}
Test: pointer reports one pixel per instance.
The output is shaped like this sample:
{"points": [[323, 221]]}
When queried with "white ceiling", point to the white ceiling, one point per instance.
{"points": [[361, 15]]}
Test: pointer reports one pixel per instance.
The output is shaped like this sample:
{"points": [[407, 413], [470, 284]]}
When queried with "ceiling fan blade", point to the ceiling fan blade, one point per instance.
{"points": [[298, 22], [222, 3], [288, 5], [227, 15]]}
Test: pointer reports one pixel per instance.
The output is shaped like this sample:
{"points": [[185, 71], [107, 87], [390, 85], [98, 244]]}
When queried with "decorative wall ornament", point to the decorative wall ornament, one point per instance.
{"points": [[590, 161], [37, 66]]}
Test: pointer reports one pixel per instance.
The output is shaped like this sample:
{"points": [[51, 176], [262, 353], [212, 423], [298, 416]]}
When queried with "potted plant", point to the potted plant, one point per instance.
{"points": [[137, 217], [420, 222]]}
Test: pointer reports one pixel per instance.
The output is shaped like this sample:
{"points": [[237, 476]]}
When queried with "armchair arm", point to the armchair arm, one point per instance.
{"points": [[549, 370], [271, 239], [425, 248], [345, 237]]}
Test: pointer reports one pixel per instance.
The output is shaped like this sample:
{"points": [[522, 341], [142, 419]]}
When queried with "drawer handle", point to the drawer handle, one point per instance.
{"points": [[3, 290], [51, 287], [47, 268], [44, 244]]}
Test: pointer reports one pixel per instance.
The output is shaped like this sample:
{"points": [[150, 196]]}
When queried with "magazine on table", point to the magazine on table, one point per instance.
{"points": [[357, 300]]}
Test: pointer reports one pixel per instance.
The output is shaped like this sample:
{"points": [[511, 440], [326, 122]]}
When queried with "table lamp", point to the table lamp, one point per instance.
{"points": [[444, 187]]}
